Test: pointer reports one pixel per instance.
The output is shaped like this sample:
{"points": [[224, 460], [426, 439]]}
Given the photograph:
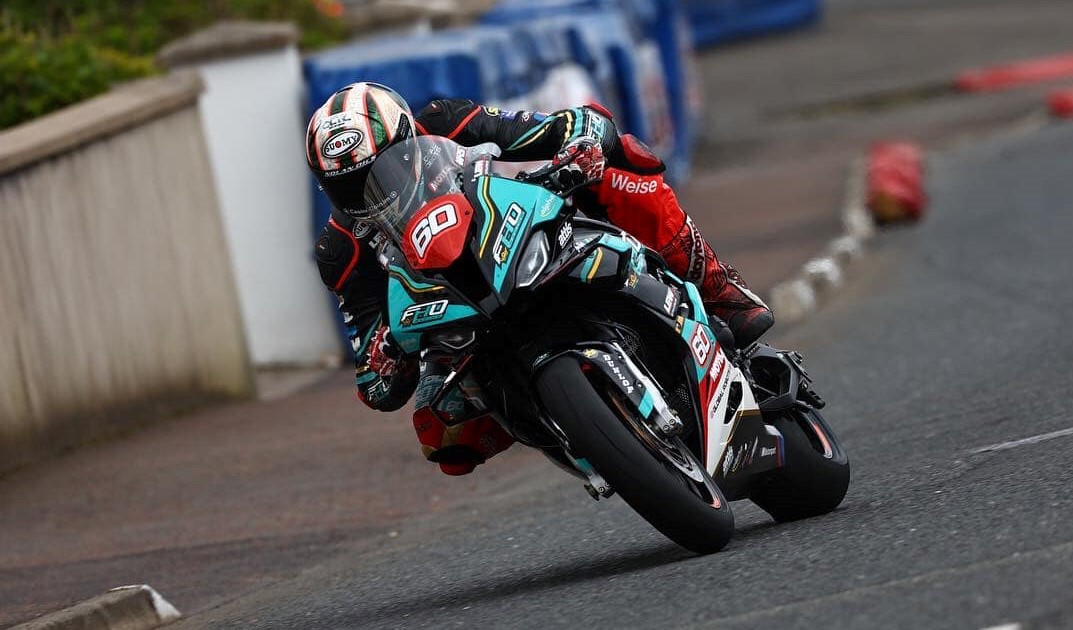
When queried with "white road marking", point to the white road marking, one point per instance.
{"points": [[1043, 437], [1005, 626]]}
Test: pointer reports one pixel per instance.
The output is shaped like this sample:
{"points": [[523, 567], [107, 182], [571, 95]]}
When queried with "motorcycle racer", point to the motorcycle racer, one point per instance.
{"points": [[619, 173]]}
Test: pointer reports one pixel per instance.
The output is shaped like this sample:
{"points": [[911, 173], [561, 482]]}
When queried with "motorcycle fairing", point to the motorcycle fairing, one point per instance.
{"points": [[508, 212], [725, 396], [614, 257], [729, 414], [754, 447], [415, 307], [437, 233]]}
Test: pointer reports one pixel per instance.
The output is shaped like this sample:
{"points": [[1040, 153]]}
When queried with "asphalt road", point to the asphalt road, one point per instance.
{"points": [[950, 338]]}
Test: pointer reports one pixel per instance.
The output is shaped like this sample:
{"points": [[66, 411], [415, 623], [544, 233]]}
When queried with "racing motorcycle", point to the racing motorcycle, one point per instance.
{"points": [[582, 343]]}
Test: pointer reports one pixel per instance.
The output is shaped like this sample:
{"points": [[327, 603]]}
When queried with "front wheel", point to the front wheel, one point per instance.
{"points": [[815, 477], [659, 478]]}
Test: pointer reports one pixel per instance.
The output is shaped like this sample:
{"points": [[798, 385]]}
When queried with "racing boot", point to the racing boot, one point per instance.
{"points": [[722, 288], [638, 200]]}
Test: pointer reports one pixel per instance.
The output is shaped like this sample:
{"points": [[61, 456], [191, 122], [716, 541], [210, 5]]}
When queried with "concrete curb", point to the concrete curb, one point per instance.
{"points": [[794, 299], [126, 607]]}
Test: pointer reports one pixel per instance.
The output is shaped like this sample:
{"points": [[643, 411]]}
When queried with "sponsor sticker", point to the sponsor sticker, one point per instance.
{"points": [[431, 153], [670, 301], [480, 169], [717, 366], [343, 171], [436, 221], [362, 229], [335, 121], [546, 210], [625, 382], [565, 232], [341, 143], [422, 313], [637, 186], [701, 345], [508, 233]]}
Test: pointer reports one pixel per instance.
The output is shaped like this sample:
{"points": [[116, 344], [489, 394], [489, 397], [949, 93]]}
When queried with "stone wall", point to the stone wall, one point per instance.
{"points": [[116, 292]]}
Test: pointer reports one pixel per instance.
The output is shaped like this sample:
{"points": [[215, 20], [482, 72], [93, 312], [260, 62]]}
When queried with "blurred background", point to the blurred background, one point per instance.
{"points": [[162, 323]]}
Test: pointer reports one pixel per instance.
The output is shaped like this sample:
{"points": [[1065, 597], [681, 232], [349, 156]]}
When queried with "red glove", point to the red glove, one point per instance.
{"points": [[383, 353], [583, 163]]}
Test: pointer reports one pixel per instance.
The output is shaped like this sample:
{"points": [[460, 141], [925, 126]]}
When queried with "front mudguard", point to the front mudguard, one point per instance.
{"points": [[614, 366]]}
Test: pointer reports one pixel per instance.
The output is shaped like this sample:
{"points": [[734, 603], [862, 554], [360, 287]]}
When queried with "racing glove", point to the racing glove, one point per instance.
{"points": [[384, 353], [386, 377], [582, 161]]}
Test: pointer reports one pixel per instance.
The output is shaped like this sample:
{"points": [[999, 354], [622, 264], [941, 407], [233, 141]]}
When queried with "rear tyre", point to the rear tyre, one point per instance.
{"points": [[816, 475], [694, 515]]}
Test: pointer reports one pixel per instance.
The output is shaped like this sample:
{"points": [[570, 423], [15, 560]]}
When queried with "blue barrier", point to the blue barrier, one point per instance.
{"points": [[716, 21], [664, 22], [629, 67]]}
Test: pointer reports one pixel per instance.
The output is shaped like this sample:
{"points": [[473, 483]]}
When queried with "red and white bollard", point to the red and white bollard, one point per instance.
{"points": [[896, 182]]}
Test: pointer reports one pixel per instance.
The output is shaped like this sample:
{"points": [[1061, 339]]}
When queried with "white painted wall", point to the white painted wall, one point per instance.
{"points": [[255, 129]]}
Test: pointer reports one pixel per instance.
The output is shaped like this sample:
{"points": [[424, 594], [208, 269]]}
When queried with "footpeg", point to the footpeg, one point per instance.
{"points": [[596, 493], [596, 485]]}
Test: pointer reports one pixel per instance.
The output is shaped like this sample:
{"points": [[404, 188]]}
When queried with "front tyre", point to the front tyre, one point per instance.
{"points": [[815, 477], [696, 516]]}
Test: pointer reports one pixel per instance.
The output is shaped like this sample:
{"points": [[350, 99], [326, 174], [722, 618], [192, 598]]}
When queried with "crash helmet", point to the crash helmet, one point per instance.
{"points": [[345, 136]]}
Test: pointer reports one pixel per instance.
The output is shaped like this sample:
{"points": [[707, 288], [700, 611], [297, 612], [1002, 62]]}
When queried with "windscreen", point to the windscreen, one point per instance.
{"points": [[408, 175]]}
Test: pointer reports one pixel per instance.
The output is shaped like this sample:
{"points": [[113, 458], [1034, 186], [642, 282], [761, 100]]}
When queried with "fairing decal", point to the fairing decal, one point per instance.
{"points": [[722, 415], [409, 283], [601, 264], [509, 211], [591, 265], [716, 376], [414, 307], [752, 448], [438, 232], [695, 300]]}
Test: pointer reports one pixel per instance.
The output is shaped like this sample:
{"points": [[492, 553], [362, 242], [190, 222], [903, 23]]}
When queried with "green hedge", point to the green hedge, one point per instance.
{"points": [[54, 53], [38, 76]]}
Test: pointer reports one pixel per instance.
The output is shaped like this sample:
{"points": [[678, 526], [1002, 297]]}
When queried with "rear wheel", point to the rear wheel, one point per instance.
{"points": [[658, 477], [815, 477]]}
